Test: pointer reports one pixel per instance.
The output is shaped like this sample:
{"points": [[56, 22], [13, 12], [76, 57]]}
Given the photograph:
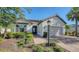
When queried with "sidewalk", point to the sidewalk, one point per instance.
{"points": [[70, 47]]}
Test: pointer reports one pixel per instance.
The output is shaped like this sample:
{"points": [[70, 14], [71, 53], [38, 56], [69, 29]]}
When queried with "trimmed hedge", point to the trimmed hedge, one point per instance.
{"points": [[27, 35], [18, 35], [15, 35], [9, 35]]}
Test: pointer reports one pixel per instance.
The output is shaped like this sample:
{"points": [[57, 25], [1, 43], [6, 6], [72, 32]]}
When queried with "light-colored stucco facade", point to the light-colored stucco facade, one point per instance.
{"points": [[55, 22]]}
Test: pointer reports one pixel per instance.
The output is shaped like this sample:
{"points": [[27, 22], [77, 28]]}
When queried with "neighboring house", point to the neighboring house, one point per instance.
{"points": [[39, 27]]}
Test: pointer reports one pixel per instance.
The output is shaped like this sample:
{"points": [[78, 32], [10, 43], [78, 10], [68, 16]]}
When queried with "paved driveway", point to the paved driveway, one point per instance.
{"points": [[71, 45]]}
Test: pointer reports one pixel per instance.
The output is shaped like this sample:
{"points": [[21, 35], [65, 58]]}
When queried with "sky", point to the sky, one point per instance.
{"points": [[40, 13]]}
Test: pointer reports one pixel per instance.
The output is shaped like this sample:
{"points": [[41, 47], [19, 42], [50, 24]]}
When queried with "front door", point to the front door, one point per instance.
{"points": [[34, 29]]}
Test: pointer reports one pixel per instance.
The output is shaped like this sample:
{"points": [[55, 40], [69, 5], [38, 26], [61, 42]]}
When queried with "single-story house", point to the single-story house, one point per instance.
{"points": [[40, 26], [56, 26]]}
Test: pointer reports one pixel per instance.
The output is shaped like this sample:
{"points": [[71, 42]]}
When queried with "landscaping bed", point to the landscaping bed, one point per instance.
{"points": [[23, 42], [11, 45], [45, 48]]}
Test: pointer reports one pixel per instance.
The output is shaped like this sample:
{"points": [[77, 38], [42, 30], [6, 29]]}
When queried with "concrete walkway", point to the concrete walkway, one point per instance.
{"points": [[39, 40]]}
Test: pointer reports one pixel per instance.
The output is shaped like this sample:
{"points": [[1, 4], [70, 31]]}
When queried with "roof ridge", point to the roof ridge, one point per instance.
{"points": [[54, 16]]}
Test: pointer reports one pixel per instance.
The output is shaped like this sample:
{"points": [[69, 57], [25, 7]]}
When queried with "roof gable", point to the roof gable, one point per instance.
{"points": [[61, 19], [53, 17]]}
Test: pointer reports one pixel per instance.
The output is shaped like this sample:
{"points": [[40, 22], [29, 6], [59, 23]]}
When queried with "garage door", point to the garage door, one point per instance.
{"points": [[55, 31]]}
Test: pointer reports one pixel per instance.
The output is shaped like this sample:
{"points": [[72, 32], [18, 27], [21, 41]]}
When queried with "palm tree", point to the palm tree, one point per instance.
{"points": [[67, 27], [73, 15]]}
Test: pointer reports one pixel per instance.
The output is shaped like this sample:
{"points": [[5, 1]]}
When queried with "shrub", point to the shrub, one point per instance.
{"points": [[48, 50], [45, 34], [37, 48], [20, 43], [50, 44], [65, 33], [1, 40], [43, 44], [53, 44], [28, 32], [74, 33], [58, 49], [9, 35], [1, 35], [29, 37], [18, 35]]}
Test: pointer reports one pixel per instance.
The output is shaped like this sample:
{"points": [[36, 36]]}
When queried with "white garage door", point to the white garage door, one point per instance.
{"points": [[55, 31]]}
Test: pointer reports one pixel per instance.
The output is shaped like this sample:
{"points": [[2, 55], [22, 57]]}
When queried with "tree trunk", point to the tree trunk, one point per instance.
{"points": [[5, 33], [76, 23]]}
